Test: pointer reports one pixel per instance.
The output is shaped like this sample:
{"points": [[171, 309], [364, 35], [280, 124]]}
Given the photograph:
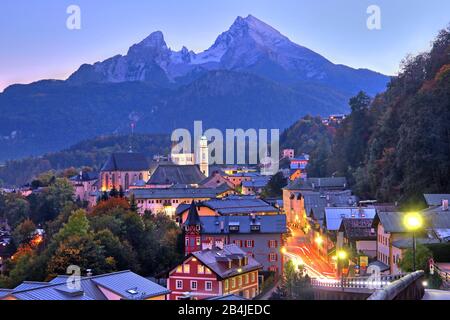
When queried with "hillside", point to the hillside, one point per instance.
{"points": [[251, 77], [89, 153]]}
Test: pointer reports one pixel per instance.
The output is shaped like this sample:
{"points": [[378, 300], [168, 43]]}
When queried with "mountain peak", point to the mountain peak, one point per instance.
{"points": [[155, 39]]}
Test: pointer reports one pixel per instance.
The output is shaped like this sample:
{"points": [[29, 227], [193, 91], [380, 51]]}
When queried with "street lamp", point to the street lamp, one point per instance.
{"points": [[413, 221], [341, 255]]}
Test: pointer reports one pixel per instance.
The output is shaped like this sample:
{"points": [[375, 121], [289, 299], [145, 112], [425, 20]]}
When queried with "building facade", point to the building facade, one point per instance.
{"points": [[215, 272]]}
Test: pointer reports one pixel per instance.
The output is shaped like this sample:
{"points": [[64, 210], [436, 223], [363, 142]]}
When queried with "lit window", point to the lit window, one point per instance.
{"points": [[233, 283], [180, 269], [179, 284], [239, 281], [226, 285], [253, 277], [207, 271], [200, 269], [187, 268], [246, 278]]}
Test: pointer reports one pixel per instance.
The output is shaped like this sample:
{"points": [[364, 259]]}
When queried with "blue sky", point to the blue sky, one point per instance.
{"points": [[35, 43]]}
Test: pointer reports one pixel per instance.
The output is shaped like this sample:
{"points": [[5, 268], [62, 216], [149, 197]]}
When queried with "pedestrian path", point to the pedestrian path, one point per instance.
{"points": [[431, 294]]}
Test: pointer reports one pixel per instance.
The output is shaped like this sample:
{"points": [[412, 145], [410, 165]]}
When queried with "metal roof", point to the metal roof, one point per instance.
{"points": [[117, 282], [334, 216], [274, 224], [212, 259], [436, 199], [330, 183], [174, 193]]}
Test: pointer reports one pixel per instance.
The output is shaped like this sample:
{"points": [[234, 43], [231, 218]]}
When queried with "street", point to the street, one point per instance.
{"points": [[302, 252]]}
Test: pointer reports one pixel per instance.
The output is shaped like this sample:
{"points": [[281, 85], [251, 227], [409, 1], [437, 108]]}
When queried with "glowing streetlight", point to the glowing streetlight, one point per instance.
{"points": [[413, 221], [341, 255], [283, 250], [319, 240]]}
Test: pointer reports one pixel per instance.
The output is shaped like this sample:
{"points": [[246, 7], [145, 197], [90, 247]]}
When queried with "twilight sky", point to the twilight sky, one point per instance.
{"points": [[35, 43]]}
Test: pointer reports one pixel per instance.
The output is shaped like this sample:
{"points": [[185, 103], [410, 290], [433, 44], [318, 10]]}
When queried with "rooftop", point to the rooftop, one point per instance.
{"points": [[126, 161], [331, 183], [268, 224], [126, 284], [166, 174], [214, 258]]}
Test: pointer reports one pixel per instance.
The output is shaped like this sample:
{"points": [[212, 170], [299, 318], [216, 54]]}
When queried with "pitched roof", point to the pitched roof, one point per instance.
{"points": [[269, 224], [85, 176], [392, 221], [213, 259], [193, 218], [316, 202], [334, 216], [174, 193], [121, 283], [331, 183], [436, 199], [174, 174], [126, 161]]}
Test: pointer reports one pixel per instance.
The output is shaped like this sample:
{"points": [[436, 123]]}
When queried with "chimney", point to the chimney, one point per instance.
{"points": [[444, 204]]}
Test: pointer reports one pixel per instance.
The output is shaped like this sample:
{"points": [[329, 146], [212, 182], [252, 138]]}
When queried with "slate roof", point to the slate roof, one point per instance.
{"points": [[392, 221], [268, 224], [358, 229], [117, 282], [126, 161], [175, 174], [334, 216], [436, 199], [259, 182], [239, 206], [176, 193], [85, 176], [193, 218], [331, 183], [316, 202], [212, 259]]}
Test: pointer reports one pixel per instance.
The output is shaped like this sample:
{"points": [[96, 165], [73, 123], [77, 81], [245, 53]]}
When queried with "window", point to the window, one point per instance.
{"points": [[253, 277], [179, 284], [246, 278], [180, 269], [208, 286], [233, 283], [197, 241], [273, 243], [200, 269], [226, 285], [273, 257], [187, 268], [238, 243], [186, 241], [193, 285], [207, 271], [240, 281], [249, 243]]}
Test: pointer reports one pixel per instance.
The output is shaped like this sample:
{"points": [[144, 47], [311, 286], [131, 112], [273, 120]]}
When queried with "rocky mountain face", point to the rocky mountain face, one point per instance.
{"points": [[251, 77]]}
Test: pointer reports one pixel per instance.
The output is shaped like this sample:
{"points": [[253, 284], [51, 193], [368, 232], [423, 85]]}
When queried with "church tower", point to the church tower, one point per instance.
{"points": [[192, 228], [204, 156]]}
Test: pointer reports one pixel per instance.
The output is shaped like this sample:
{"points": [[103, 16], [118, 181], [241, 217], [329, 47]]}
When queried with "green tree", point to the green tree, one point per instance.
{"points": [[16, 209], [275, 186], [423, 254]]}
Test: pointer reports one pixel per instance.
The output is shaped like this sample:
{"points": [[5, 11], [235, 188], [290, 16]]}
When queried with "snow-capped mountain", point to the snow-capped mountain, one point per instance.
{"points": [[251, 70], [249, 45]]}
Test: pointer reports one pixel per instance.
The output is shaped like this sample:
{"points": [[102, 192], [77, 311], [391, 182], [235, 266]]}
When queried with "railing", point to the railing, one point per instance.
{"points": [[373, 282], [445, 276], [406, 288]]}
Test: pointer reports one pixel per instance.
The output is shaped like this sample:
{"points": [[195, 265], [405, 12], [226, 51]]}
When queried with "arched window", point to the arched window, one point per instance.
{"points": [[106, 181]]}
